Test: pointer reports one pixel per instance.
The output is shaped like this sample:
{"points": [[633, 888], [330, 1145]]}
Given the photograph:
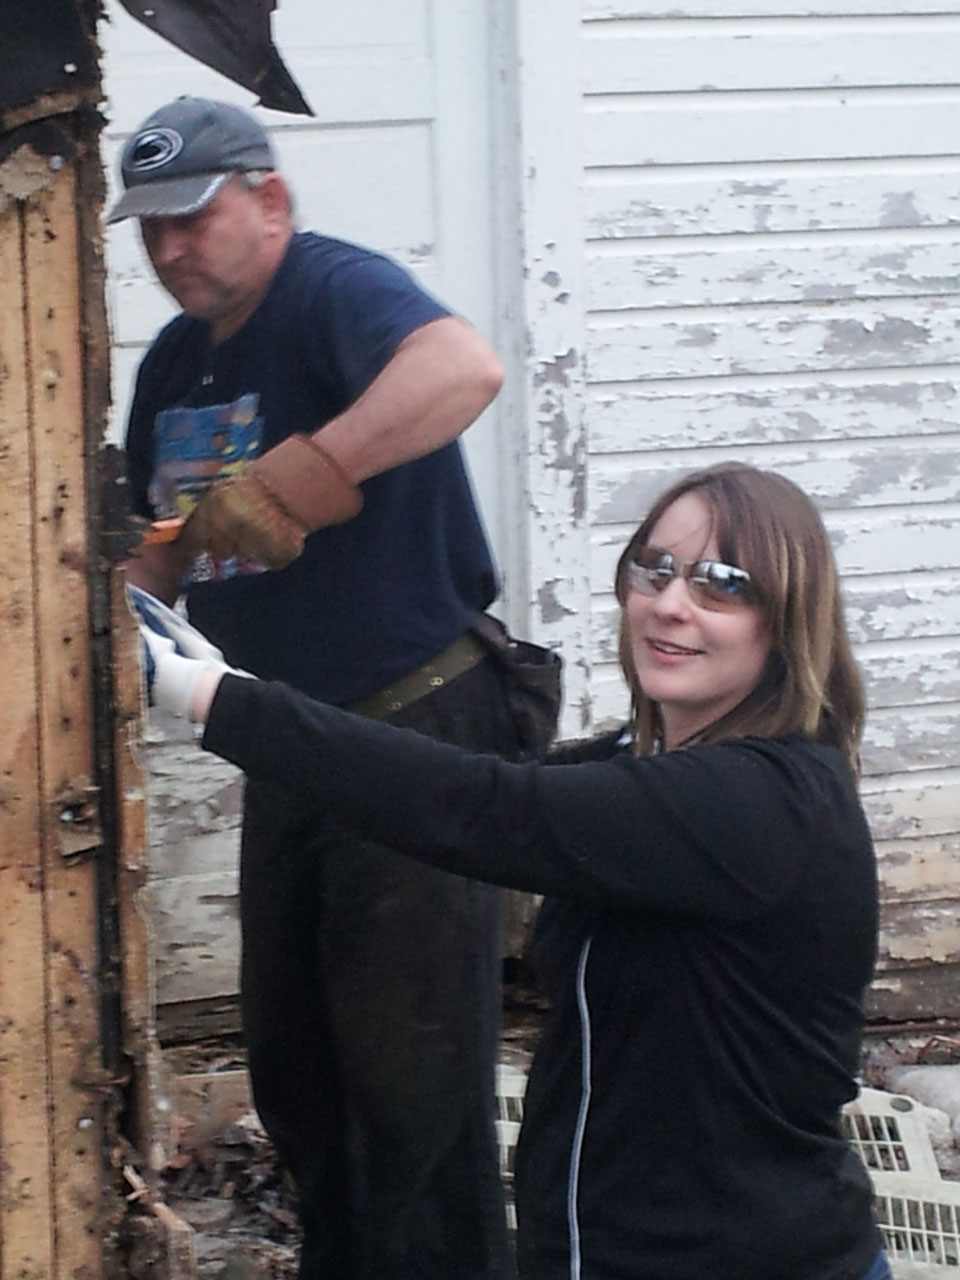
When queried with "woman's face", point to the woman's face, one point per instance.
{"points": [[696, 662]]}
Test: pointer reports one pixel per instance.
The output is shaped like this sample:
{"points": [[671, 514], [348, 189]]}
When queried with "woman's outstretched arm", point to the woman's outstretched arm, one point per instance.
{"points": [[718, 832], [690, 831]]}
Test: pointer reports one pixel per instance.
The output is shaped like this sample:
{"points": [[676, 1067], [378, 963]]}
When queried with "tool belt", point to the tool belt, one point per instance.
{"points": [[531, 676]]}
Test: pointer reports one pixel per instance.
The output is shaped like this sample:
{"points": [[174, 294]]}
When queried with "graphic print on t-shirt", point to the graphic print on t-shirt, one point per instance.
{"points": [[194, 447]]}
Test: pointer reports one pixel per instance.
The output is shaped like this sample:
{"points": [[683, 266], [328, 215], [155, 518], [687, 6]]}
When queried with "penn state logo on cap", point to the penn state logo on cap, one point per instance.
{"points": [[153, 148]]}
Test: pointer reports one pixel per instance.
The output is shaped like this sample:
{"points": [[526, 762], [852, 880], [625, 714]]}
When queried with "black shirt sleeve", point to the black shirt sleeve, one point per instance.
{"points": [[718, 832]]}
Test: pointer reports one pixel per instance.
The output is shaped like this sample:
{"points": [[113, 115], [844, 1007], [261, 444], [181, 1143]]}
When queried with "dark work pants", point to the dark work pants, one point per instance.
{"points": [[371, 990]]}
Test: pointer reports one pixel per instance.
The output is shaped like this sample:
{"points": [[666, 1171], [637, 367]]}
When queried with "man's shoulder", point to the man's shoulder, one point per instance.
{"points": [[347, 289], [314, 246], [318, 260]]}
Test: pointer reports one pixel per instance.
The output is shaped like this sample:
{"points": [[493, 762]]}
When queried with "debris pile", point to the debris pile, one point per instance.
{"points": [[226, 1183], [232, 1191], [925, 1067]]}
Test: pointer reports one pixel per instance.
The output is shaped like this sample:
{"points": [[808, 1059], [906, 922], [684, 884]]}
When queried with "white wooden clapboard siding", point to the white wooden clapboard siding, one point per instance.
{"points": [[593, 10], [750, 54], [881, 264], [740, 412], [846, 195], [845, 474], [712, 342], [706, 128], [772, 272]]}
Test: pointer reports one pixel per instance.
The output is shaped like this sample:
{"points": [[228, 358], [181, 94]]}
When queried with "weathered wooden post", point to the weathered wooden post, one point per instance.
{"points": [[83, 1112], [76, 1055]]}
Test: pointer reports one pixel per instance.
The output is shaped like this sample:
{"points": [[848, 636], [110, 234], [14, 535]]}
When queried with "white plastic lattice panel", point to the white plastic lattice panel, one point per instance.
{"points": [[511, 1086], [920, 1225], [917, 1210], [887, 1132]]}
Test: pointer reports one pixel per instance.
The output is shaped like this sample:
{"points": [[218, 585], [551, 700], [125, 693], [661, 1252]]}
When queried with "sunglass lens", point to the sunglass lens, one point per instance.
{"points": [[651, 571], [720, 582]]}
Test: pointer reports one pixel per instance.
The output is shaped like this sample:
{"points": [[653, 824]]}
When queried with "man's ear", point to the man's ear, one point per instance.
{"points": [[274, 196]]}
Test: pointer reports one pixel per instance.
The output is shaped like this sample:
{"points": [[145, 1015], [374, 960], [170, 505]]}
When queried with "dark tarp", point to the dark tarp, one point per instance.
{"points": [[233, 37]]}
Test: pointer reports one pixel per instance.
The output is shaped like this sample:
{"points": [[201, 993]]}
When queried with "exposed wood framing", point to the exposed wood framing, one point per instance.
{"points": [[150, 1112], [51, 1082], [80, 1083]]}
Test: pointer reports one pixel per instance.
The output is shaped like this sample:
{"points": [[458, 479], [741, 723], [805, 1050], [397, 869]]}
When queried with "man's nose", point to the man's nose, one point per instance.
{"points": [[164, 240]]}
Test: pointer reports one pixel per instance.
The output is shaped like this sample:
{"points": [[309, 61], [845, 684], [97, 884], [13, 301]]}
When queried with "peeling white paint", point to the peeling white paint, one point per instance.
{"points": [[772, 274]]}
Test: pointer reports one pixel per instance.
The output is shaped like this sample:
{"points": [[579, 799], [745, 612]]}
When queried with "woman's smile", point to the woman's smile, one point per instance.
{"points": [[669, 649]]}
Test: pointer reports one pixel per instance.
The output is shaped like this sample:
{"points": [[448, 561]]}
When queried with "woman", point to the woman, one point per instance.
{"points": [[711, 917]]}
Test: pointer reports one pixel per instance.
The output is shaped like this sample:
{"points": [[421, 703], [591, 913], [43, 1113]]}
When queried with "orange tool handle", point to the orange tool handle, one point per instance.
{"points": [[163, 531]]}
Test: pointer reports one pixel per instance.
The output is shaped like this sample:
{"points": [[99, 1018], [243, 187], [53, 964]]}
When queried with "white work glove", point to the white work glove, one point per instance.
{"points": [[175, 655], [171, 678]]}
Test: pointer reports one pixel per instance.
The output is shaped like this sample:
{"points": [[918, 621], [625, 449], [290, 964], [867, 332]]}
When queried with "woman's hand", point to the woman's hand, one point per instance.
{"points": [[181, 666]]}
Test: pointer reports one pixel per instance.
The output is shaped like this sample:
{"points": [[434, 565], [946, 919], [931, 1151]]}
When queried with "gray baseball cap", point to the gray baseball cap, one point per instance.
{"points": [[183, 154]]}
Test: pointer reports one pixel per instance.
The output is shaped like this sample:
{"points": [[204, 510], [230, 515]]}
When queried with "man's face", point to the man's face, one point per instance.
{"points": [[217, 263]]}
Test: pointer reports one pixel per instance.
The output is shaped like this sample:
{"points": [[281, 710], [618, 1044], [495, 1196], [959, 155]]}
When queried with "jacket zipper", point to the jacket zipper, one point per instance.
{"points": [[573, 1182]]}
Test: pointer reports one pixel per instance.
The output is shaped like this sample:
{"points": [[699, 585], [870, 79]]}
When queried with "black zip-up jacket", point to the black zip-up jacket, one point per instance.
{"points": [[710, 932]]}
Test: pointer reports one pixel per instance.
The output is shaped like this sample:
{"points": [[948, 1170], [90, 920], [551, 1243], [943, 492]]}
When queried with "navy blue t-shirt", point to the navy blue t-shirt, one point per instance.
{"points": [[369, 599]]}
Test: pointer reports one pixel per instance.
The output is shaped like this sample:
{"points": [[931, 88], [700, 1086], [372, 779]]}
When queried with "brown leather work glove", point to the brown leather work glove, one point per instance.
{"points": [[264, 513]]}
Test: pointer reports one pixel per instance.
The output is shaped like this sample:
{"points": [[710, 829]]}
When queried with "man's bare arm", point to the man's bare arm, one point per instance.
{"points": [[440, 378]]}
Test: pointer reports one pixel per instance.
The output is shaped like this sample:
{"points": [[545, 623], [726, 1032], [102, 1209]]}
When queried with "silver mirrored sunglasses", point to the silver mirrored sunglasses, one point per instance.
{"points": [[712, 584]]}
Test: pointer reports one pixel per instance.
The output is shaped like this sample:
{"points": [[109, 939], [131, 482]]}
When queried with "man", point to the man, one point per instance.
{"points": [[302, 415]]}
